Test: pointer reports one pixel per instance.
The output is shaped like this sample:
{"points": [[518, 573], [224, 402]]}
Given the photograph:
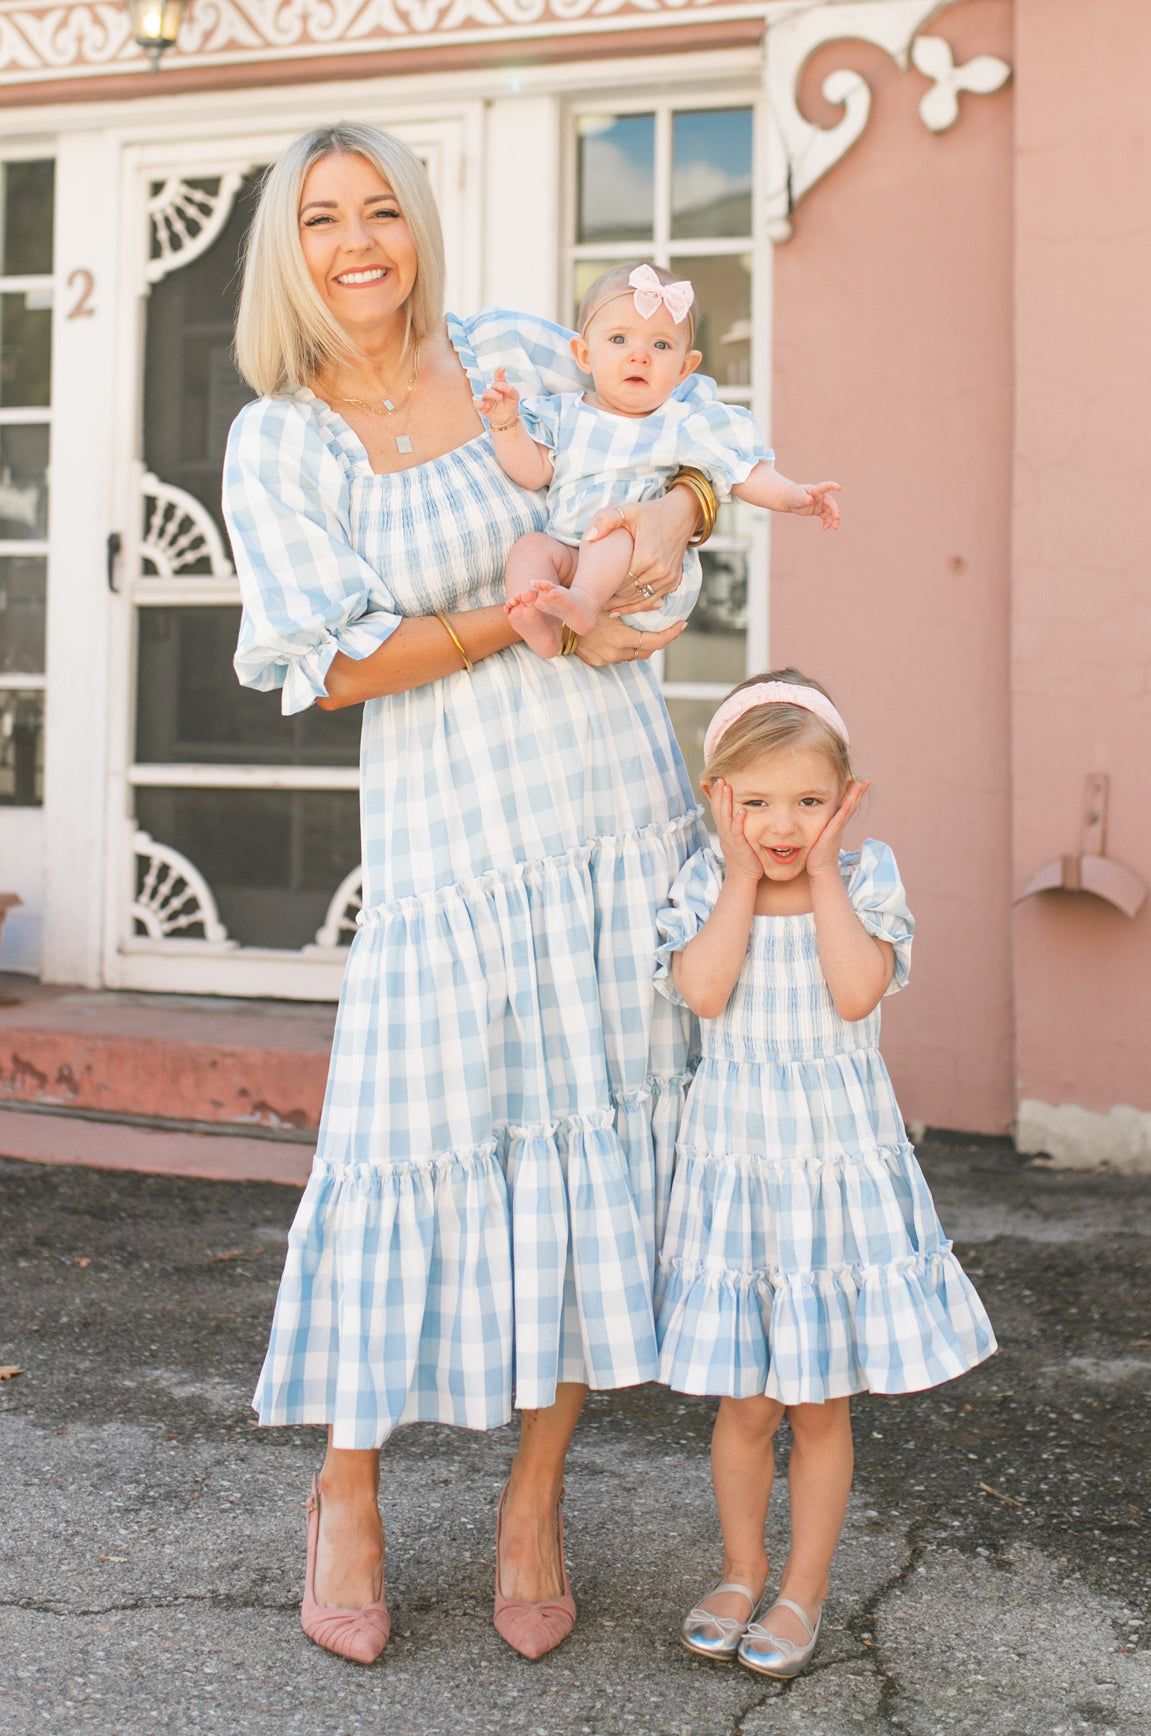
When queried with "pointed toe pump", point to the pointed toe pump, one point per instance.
{"points": [[534, 1629], [359, 1635]]}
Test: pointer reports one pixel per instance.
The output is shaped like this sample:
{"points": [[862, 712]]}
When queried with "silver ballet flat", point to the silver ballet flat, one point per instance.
{"points": [[717, 1636], [770, 1654]]}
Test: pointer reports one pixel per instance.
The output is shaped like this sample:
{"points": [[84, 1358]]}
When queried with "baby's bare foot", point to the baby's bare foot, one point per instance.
{"points": [[534, 628], [573, 607]]}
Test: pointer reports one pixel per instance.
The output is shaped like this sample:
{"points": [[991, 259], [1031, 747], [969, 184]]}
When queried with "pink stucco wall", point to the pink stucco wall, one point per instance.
{"points": [[893, 373], [1081, 567]]}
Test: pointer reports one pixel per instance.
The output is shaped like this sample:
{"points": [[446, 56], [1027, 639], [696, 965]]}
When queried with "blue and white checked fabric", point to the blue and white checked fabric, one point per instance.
{"points": [[496, 1147], [803, 1257], [603, 460]]}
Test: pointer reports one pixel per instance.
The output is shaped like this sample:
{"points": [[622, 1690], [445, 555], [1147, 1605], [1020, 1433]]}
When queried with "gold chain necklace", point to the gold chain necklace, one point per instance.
{"points": [[388, 408]]}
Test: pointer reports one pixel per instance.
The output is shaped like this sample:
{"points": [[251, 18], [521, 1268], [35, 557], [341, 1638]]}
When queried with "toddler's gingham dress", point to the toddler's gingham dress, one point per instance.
{"points": [[498, 1133], [802, 1258], [603, 460]]}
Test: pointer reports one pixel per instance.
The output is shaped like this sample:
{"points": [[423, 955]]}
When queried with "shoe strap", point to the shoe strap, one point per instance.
{"points": [[788, 1603], [725, 1625], [734, 1585]]}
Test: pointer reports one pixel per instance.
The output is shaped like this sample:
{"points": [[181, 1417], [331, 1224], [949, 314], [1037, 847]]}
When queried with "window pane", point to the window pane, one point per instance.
{"points": [[190, 707], [273, 858], [691, 718], [711, 173], [21, 749], [25, 351], [24, 482], [22, 583], [713, 646], [27, 196], [586, 272], [616, 177], [723, 314]]}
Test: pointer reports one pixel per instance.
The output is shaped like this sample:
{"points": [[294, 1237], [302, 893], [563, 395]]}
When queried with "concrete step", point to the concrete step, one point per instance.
{"points": [[173, 1058], [69, 1139]]}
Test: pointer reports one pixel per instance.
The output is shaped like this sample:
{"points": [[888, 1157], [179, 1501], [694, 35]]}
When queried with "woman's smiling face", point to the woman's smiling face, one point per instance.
{"points": [[789, 796], [357, 247]]}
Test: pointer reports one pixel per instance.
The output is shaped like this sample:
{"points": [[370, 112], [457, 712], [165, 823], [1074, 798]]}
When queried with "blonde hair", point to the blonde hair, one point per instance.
{"points": [[613, 282], [284, 333], [765, 729]]}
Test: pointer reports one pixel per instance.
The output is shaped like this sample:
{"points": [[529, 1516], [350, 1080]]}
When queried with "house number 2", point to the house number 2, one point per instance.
{"points": [[84, 283]]}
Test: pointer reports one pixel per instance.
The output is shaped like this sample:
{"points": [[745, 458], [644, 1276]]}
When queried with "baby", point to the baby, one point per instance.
{"points": [[619, 444]]}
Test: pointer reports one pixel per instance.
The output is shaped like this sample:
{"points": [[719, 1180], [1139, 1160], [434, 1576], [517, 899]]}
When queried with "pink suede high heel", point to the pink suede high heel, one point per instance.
{"points": [[357, 1634], [534, 1629]]}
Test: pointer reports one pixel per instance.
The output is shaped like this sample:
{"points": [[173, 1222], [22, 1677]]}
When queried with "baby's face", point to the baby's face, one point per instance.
{"points": [[636, 363]]}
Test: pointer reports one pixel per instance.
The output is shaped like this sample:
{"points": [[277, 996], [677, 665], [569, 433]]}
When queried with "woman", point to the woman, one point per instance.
{"points": [[497, 1136]]}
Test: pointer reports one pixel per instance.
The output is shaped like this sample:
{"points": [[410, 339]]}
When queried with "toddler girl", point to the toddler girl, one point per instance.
{"points": [[619, 444], [803, 1260]]}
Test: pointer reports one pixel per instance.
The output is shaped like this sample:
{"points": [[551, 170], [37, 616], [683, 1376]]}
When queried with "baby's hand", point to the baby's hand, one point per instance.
{"points": [[813, 500], [739, 857], [501, 402]]}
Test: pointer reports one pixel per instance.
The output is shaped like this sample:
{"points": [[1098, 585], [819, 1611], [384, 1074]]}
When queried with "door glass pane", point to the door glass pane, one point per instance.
{"points": [[691, 718], [585, 274], [615, 177], [273, 858], [191, 709], [25, 350], [711, 173], [713, 646], [22, 584], [723, 313], [24, 482], [191, 388], [21, 749], [27, 199]]}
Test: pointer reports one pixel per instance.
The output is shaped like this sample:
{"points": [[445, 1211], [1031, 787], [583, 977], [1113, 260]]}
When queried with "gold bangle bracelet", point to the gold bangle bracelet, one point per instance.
{"points": [[569, 639], [455, 639], [706, 499]]}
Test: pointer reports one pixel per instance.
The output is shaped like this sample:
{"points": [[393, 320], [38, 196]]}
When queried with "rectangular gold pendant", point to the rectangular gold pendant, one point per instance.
{"points": [[403, 442]]}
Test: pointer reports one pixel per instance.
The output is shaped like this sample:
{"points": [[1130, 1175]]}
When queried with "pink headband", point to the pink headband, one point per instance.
{"points": [[769, 693], [648, 294]]}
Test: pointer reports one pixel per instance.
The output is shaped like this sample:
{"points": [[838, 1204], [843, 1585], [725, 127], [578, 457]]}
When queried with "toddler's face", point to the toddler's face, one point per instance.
{"points": [[636, 363], [789, 797]]}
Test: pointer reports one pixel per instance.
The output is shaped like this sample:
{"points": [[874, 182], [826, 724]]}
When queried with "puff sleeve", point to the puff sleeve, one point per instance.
{"points": [[723, 440], [880, 902], [689, 904], [306, 592], [541, 418]]}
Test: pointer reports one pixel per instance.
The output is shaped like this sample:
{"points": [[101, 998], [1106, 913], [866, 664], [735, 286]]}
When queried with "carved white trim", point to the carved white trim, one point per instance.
{"points": [[186, 220], [179, 532], [939, 107], [173, 895], [347, 901], [800, 153]]}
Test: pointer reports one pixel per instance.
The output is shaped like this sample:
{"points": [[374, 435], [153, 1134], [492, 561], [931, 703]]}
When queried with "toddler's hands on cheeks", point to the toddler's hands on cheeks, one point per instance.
{"points": [[740, 856], [501, 402], [823, 857]]}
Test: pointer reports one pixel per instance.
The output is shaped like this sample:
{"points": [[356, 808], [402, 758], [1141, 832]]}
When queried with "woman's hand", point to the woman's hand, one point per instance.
{"points": [[611, 641], [823, 857], [813, 500], [500, 403], [659, 530], [740, 856]]}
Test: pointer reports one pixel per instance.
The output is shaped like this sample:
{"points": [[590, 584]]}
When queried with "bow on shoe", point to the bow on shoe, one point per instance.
{"points": [[650, 293]]}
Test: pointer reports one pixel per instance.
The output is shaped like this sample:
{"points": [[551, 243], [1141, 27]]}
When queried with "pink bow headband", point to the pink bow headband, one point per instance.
{"points": [[649, 294], [769, 693]]}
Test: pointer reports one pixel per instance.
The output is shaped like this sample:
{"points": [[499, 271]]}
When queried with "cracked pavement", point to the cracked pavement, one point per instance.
{"points": [[995, 1575]]}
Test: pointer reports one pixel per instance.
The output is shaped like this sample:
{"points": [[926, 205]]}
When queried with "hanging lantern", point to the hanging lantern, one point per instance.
{"points": [[156, 25]]}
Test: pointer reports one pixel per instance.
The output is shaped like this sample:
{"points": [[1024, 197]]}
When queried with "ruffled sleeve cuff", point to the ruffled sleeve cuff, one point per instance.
{"points": [[880, 902], [301, 674], [689, 904]]}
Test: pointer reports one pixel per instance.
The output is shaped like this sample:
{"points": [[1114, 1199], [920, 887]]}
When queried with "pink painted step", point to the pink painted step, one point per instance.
{"points": [[178, 1058], [151, 1151]]}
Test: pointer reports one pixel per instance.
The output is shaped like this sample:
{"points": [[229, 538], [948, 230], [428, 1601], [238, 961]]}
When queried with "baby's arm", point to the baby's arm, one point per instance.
{"points": [[766, 487], [857, 967], [520, 457], [708, 968]]}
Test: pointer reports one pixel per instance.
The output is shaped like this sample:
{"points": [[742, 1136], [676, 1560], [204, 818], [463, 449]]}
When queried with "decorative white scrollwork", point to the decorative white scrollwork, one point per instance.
{"points": [[186, 219], [939, 108], [173, 895], [799, 152], [179, 535], [340, 922]]}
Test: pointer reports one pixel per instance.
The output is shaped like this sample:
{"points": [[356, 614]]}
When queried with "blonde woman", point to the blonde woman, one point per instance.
{"points": [[479, 1228]]}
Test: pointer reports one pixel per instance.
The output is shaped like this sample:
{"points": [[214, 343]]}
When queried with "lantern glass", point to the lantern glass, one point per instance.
{"points": [[156, 23]]}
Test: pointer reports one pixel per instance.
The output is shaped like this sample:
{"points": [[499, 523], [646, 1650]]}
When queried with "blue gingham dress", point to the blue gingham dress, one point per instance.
{"points": [[497, 1138], [802, 1258], [603, 460]]}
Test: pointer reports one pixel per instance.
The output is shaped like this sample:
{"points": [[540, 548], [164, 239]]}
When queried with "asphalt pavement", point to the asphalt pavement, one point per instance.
{"points": [[994, 1577]]}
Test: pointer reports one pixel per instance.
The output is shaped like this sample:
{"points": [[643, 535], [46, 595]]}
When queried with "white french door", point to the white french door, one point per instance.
{"points": [[233, 839]]}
